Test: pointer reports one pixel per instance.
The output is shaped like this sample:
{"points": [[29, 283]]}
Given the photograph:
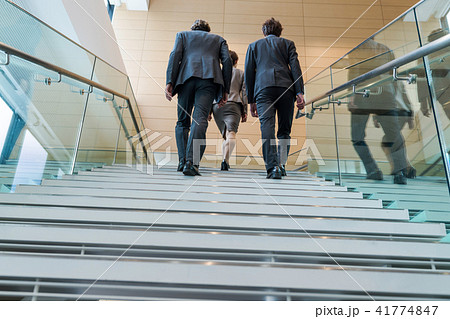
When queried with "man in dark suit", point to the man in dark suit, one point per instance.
{"points": [[274, 81], [194, 73], [385, 107]]}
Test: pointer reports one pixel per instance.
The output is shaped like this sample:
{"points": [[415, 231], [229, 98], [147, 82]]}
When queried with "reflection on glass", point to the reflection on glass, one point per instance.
{"points": [[42, 122], [32, 161], [22, 31], [321, 151], [50, 114], [390, 109], [393, 129], [5, 121], [100, 129]]}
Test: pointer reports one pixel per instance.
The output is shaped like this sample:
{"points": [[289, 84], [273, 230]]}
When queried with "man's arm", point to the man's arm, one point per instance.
{"points": [[295, 69], [227, 65], [227, 70], [173, 66], [250, 75], [244, 107], [244, 93]]}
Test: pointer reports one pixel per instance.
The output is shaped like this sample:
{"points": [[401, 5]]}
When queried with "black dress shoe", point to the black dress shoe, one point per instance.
{"points": [[181, 165], [399, 178], [377, 175], [224, 166], [274, 173], [283, 170], [409, 172], [190, 170]]}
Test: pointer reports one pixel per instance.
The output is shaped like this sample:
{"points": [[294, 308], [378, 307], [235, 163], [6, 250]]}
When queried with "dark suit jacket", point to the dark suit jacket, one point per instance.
{"points": [[272, 61], [199, 54], [391, 94]]}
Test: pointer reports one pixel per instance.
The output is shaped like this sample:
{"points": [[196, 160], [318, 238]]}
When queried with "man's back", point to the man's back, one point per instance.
{"points": [[199, 54], [272, 62]]}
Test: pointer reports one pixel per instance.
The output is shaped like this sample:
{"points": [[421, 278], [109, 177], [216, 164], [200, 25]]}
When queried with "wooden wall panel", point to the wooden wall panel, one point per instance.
{"points": [[314, 25]]}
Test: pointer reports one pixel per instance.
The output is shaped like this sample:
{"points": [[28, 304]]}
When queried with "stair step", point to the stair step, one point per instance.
{"points": [[233, 275], [320, 191], [205, 176], [317, 225], [188, 180], [221, 242], [151, 183], [262, 198], [52, 213]]}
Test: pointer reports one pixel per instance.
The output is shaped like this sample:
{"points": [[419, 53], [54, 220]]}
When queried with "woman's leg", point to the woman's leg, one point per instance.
{"points": [[228, 145]]}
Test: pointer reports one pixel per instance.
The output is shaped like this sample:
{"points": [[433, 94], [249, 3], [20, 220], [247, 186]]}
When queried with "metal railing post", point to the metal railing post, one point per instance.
{"points": [[336, 137], [80, 128], [433, 100], [118, 137]]}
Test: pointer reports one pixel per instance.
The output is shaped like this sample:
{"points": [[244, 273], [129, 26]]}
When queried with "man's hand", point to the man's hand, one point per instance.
{"points": [[169, 92], [253, 109], [209, 117], [223, 100], [300, 101], [375, 121], [244, 118]]}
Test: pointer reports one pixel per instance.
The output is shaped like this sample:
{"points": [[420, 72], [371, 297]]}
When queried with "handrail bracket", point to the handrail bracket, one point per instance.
{"points": [[7, 59], [365, 93], [411, 79]]}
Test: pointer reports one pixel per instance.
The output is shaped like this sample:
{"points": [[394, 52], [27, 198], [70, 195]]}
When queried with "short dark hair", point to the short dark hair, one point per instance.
{"points": [[272, 26], [234, 57], [436, 34], [201, 25]]}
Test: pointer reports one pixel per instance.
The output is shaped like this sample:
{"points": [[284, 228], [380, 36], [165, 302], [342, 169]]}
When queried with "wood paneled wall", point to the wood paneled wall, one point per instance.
{"points": [[316, 26]]}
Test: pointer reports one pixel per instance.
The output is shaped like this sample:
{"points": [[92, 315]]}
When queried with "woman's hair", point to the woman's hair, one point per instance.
{"points": [[201, 25], [272, 26], [234, 57]]}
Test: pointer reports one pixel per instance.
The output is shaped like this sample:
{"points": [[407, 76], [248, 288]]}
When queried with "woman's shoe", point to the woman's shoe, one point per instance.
{"points": [[224, 166]]}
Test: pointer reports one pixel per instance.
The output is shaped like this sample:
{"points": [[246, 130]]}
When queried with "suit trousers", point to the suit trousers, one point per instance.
{"points": [[392, 140], [195, 95], [277, 101]]}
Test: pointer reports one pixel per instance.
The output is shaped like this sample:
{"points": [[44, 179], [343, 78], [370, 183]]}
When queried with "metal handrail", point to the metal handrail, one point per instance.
{"points": [[25, 56], [8, 50], [425, 50]]}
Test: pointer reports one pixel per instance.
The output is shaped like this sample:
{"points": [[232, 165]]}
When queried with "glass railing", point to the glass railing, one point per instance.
{"points": [[386, 137], [62, 109]]}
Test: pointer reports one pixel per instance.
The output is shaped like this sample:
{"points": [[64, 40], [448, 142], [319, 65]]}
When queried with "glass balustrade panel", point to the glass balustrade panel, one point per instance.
{"points": [[40, 120], [100, 129], [319, 149]]}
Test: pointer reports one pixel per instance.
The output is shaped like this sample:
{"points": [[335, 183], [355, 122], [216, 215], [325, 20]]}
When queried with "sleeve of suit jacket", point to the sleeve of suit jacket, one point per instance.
{"points": [[295, 69], [250, 74], [244, 95], [175, 58], [227, 65]]}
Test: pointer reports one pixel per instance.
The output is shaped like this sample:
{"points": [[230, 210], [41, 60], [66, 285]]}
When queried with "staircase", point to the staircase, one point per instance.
{"points": [[116, 233]]}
